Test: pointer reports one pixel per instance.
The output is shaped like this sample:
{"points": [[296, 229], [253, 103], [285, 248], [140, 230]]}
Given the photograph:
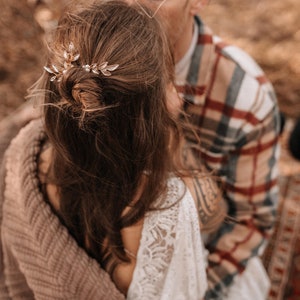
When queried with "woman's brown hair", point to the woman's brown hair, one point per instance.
{"points": [[108, 131]]}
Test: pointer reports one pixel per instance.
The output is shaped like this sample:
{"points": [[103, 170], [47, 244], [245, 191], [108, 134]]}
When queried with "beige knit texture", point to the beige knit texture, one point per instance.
{"points": [[39, 259]]}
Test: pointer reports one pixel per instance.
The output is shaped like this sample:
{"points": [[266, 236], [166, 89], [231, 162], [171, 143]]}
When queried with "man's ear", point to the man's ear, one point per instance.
{"points": [[197, 6]]}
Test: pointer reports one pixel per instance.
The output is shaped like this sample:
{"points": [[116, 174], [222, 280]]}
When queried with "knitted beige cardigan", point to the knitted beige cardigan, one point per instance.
{"points": [[38, 257]]}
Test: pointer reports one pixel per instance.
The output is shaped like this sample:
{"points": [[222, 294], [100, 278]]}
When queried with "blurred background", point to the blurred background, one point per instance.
{"points": [[267, 29]]}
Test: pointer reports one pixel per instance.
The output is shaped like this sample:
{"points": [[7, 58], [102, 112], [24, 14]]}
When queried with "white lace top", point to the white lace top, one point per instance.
{"points": [[170, 260]]}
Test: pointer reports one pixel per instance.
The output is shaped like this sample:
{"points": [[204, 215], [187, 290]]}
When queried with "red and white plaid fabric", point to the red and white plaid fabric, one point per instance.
{"points": [[234, 108]]}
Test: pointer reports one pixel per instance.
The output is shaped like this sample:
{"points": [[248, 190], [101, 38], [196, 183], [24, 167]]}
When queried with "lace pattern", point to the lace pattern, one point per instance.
{"points": [[170, 261]]}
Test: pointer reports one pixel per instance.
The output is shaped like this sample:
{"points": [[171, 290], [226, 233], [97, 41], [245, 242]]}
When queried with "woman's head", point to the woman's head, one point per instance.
{"points": [[120, 35], [132, 98], [106, 116]]}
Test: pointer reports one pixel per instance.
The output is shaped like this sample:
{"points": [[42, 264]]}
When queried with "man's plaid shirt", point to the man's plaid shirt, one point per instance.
{"points": [[234, 107]]}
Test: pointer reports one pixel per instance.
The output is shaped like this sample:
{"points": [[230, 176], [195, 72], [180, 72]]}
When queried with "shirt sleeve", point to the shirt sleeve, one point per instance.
{"points": [[251, 191], [238, 126]]}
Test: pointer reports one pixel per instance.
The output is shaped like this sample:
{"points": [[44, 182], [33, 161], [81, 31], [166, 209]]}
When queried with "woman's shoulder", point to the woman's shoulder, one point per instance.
{"points": [[170, 243]]}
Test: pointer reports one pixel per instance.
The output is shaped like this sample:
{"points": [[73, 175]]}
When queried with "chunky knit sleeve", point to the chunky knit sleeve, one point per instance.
{"points": [[3, 289], [39, 258]]}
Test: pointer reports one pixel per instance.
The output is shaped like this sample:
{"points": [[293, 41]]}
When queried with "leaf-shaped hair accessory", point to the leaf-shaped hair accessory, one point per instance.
{"points": [[104, 68], [71, 55], [54, 71]]}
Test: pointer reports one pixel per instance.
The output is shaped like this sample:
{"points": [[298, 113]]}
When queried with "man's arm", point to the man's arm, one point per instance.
{"points": [[239, 140], [232, 108], [251, 192]]}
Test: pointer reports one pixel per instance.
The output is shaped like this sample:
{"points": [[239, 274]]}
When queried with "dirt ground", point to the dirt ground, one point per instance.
{"points": [[267, 29]]}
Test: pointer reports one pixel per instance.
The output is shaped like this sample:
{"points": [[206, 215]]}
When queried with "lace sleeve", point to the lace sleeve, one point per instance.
{"points": [[170, 260]]}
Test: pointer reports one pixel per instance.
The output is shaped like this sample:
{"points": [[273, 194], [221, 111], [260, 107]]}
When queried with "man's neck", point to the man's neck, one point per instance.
{"points": [[182, 66], [182, 45]]}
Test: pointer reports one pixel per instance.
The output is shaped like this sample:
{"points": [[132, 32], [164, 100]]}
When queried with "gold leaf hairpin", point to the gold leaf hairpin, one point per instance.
{"points": [[104, 68], [54, 71], [71, 55]]}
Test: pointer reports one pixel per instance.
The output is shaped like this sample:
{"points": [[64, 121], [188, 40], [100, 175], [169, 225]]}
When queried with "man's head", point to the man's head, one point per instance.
{"points": [[178, 18]]}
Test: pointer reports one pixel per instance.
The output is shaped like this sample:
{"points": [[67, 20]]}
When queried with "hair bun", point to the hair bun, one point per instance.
{"points": [[81, 90]]}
